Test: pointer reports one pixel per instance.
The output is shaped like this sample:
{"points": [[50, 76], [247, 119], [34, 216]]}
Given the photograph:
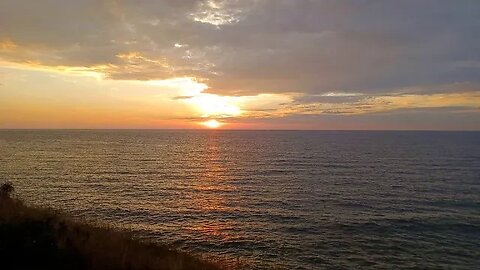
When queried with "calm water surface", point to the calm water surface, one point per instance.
{"points": [[302, 200]]}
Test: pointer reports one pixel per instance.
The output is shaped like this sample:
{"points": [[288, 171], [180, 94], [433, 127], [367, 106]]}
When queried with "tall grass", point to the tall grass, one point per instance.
{"points": [[37, 238]]}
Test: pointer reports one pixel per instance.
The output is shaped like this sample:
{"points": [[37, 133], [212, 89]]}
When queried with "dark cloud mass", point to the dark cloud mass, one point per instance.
{"points": [[255, 46]]}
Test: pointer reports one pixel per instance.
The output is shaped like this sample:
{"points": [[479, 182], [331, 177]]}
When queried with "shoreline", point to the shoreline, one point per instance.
{"points": [[33, 237]]}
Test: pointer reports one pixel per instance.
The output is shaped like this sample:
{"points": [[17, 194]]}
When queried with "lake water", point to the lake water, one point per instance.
{"points": [[298, 199]]}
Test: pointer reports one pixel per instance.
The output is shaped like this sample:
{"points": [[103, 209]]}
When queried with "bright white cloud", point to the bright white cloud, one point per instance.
{"points": [[221, 12]]}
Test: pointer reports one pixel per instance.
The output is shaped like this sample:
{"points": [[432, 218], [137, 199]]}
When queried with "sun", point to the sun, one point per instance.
{"points": [[212, 123]]}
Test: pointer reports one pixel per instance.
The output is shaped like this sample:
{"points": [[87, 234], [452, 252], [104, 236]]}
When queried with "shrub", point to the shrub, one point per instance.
{"points": [[6, 189]]}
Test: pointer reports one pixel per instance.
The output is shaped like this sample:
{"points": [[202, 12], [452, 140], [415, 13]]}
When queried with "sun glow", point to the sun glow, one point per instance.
{"points": [[212, 123], [210, 105]]}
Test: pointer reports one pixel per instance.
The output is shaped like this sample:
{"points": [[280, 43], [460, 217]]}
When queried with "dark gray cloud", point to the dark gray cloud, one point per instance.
{"points": [[256, 46]]}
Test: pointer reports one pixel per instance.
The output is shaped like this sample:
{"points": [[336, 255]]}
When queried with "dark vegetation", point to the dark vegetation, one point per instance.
{"points": [[35, 238]]}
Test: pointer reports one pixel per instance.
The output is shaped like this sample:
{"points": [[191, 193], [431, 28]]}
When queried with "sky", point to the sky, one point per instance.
{"points": [[240, 64]]}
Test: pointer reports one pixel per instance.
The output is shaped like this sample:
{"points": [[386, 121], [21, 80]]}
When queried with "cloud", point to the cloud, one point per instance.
{"points": [[182, 97], [322, 57], [221, 12], [469, 101]]}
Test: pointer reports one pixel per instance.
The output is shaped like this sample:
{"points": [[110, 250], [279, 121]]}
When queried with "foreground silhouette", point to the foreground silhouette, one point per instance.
{"points": [[34, 238]]}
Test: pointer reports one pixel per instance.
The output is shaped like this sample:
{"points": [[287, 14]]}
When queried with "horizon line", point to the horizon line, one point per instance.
{"points": [[225, 129]]}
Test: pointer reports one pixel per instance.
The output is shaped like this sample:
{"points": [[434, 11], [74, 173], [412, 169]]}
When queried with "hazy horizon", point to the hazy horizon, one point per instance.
{"points": [[229, 129]]}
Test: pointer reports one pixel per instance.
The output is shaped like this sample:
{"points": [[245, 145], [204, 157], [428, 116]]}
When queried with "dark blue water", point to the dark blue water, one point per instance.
{"points": [[298, 199]]}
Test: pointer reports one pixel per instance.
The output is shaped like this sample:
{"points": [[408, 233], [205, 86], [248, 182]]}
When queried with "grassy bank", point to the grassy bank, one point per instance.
{"points": [[36, 238]]}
